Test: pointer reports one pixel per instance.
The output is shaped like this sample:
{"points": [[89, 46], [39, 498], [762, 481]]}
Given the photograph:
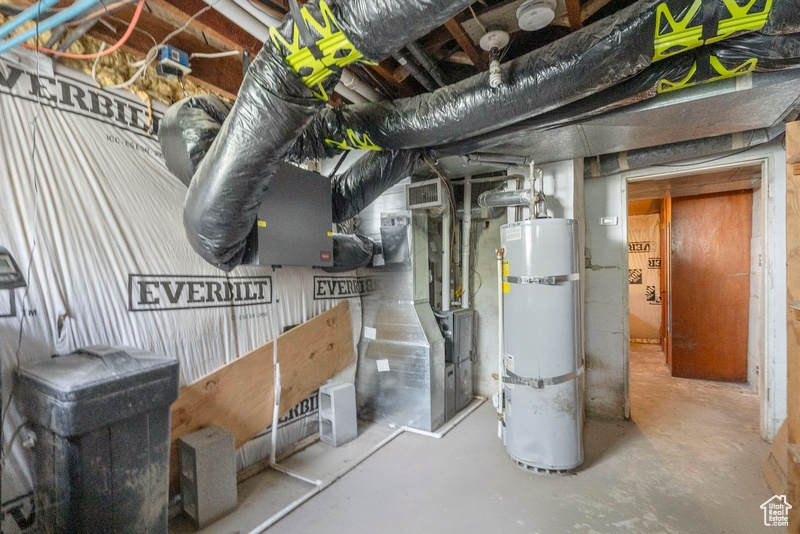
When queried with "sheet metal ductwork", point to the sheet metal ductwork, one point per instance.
{"points": [[620, 58], [285, 87]]}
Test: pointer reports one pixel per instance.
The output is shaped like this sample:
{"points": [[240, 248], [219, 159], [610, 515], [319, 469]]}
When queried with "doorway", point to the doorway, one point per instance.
{"points": [[695, 244]]}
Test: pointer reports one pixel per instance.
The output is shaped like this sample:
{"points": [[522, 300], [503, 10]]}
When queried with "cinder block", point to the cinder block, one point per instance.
{"points": [[337, 414], [208, 475]]}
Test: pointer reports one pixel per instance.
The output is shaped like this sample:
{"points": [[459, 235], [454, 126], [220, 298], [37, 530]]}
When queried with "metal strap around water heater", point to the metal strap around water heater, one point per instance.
{"points": [[543, 280], [539, 383]]}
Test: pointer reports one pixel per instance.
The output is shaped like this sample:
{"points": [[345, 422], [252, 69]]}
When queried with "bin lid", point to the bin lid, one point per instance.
{"points": [[96, 370]]}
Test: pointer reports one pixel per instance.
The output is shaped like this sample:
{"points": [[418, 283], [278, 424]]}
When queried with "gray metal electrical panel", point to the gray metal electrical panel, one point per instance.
{"points": [[294, 221], [102, 415]]}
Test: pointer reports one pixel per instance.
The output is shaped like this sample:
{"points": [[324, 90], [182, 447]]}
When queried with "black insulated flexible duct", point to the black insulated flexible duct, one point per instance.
{"points": [[277, 116], [753, 52], [190, 126], [276, 102], [575, 67], [647, 157]]}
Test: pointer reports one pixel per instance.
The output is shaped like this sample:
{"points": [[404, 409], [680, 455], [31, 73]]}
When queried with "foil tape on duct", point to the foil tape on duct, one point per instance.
{"points": [[283, 90], [579, 65]]}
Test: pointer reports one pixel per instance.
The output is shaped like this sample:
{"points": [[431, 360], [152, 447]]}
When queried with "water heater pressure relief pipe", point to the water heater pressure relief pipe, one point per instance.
{"points": [[500, 345]]}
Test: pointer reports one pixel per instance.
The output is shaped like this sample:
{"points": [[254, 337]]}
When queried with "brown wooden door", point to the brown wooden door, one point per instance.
{"points": [[711, 285]]}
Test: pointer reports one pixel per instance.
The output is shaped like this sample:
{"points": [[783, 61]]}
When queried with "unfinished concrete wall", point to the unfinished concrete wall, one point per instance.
{"points": [[755, 337], [606, 302]]}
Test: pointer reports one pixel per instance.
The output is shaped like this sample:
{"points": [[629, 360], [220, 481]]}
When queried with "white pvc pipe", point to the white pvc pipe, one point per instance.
{"points": [[465, 230], [276, 383], [446, 221], [323, 485], [349, 94], [260, 14], [257, 23], [242, 18], [500, 342], [354, 83], [451, 424]]}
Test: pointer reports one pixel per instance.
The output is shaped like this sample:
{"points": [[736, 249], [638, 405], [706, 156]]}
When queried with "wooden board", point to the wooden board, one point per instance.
{"points": [[793, 320], [793, 142], [710, 266], [776, 465], [239, 396]]}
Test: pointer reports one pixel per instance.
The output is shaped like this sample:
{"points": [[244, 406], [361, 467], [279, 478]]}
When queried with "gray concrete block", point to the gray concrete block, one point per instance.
{"points": [[337, 414], [208, 475]]}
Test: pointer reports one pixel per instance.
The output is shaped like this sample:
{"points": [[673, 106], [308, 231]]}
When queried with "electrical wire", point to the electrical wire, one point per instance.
{"points": [[104, 9], [116, 46], [215, 55], [137, 29], [446, 186], [96, 61], [153, 53], [477, 19]]}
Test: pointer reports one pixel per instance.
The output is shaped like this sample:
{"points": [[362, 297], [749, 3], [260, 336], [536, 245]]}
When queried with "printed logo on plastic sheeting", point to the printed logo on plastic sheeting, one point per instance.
{"points": [[636, 247], [306, 409], [18, 515], [652, 296], [634, 276], [342, 287], [173, 292], [654, 263], [75, 96]]}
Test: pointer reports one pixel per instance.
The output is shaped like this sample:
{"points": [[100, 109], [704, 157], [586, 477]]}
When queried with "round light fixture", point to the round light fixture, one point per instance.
{"points": [[494, 39], [534, 15]]}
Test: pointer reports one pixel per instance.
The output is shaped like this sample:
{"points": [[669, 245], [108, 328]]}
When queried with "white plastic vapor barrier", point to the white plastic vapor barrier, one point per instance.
{"points": [[644, 277], [111, 263]]}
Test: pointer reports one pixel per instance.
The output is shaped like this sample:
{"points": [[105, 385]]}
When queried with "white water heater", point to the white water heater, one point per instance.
{"points": [[543, 377]]}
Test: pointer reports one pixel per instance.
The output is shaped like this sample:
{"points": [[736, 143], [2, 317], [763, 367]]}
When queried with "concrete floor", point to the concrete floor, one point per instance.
{"points": [[688, 462]]}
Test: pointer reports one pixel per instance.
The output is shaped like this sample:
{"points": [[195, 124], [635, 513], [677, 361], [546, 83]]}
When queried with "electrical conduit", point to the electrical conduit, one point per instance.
{"points": [[47, 24]]}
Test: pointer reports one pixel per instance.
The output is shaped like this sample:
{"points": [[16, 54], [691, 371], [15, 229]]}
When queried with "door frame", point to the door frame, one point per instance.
{"points": [[770, 409]]}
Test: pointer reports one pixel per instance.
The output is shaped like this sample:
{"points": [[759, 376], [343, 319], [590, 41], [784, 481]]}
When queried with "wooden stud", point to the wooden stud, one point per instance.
{"points": [[574, 14], [793, 142], [465, 42], [793, 325], [211, 26], [591, 7], [223, 75]]}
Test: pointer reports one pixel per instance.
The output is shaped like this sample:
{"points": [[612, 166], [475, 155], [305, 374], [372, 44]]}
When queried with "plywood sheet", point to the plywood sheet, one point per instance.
{"points": [[793, 142], [239, 396]]}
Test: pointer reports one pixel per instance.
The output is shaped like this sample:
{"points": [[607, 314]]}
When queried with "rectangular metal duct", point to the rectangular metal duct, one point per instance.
{"points": [[723, 107]]}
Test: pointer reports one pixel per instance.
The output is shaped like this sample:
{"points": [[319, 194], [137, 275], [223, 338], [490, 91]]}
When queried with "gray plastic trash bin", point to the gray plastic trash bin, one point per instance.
{"points": [[102, 415]]}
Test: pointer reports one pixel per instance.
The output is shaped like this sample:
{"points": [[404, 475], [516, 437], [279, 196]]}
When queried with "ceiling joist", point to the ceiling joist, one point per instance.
{"points": [[465, 42]]}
